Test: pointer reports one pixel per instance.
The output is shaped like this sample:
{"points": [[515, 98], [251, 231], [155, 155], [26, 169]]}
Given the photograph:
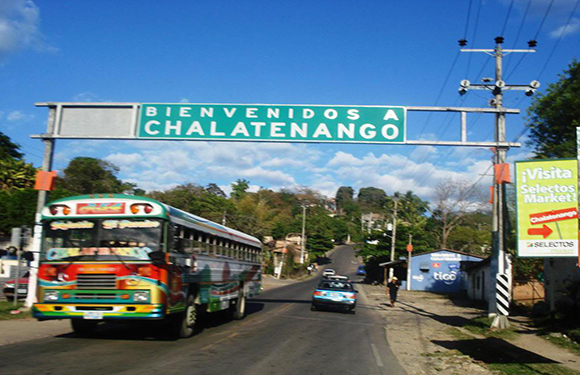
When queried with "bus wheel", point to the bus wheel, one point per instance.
{"points": [[83, 327], [183, 325], [240, 307]]}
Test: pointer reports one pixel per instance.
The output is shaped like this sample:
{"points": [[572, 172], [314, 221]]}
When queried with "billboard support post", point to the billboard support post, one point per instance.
{"points": [[41, 201]]}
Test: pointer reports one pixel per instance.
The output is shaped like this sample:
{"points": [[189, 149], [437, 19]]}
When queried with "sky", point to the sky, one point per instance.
{"points": [[325, 52]]}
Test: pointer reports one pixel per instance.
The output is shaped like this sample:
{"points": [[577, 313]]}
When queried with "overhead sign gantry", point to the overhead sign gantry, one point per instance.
{"points": [[250, 123]]}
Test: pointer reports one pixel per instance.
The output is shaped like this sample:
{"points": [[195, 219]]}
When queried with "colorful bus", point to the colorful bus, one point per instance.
{"points": [[118, 257]]}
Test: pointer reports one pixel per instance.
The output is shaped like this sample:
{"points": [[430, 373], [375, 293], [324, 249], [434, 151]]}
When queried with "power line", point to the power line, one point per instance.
{"points": [[467, 19], [535, 38], [544, 19], [507, 18], [441, 91], [485, 63], [473, 38], [519, 31], [559, 38]]}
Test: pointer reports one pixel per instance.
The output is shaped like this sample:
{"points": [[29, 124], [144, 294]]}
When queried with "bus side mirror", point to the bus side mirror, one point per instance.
{"points": [[27, 255], [157, 256]]}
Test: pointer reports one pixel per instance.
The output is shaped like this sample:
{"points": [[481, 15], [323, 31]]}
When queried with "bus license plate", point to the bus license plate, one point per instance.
{"points": [[94, 315]]}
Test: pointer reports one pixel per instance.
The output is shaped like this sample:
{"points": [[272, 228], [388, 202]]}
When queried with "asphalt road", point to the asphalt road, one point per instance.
{"points": [[279, 336]]}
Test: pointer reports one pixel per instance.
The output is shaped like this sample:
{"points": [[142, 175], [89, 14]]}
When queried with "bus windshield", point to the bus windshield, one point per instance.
{"points": [[101, 239]]}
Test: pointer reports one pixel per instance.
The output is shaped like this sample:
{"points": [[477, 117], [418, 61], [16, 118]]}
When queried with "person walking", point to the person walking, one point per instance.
{"points": [[393, 287]]}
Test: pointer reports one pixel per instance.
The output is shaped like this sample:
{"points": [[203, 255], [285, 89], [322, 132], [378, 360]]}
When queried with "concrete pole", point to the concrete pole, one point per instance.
{"points": [[41, 201], [303, 238], [393, 238], [500, 321], [409, 263]]}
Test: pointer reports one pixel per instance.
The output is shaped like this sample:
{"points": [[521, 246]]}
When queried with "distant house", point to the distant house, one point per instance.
{"points": [[478, 280], [372, 221], [291, 246]]}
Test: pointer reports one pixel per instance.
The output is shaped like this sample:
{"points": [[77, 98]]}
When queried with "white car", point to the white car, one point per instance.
{"points": [[328, 272], [338, 277]]}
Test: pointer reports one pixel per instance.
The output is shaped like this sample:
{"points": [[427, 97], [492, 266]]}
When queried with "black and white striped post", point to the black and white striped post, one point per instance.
{"points": [[502, 298]]}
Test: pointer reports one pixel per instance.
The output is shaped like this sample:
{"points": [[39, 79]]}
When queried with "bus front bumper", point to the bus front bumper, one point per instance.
{"points": [[46, 311]]}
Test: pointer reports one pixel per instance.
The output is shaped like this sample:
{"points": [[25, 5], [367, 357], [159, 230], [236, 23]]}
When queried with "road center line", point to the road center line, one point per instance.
{"points": [[376, 354]]}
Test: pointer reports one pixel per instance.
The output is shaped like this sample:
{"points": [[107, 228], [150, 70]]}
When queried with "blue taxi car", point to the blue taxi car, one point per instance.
{"points": [[338, 294]]}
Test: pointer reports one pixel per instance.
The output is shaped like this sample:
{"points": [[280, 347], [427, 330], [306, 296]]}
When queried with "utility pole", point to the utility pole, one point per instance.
{"points": [[499, 301], [409, 252], [303, 238], [393, 238]]}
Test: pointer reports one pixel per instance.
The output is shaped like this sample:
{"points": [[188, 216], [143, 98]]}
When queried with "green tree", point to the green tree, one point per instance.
{"points": [[239, 188], [86, 175], [16, 174], [554, 116], [319, 242], [214, 189], [454, 200], [474, 236], [372, 198], [8, 149], [195, 199], [18, 206], [344, 197]]}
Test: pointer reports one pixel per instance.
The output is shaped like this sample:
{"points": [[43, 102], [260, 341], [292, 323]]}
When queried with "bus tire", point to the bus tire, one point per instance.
{"points": [[183, 325], [240, 307], [83, 328]]}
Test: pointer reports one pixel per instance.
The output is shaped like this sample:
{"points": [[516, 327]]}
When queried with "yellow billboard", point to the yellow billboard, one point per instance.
{"points": [[547, 207]]}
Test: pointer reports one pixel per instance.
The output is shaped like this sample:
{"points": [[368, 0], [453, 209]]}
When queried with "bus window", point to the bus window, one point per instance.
{"points": [[227, 248], [214, 246], [196, 247]]}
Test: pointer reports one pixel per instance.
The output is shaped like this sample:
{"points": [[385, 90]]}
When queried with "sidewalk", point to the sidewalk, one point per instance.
{"points": [[427, 332]]}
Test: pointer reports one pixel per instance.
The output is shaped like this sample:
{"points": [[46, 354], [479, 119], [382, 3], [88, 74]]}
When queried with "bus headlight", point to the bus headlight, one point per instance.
{"points": [[51, 295], [141, 296]]}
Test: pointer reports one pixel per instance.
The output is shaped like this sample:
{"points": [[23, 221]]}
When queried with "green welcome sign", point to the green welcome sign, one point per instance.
{"points": [[272, 122]]}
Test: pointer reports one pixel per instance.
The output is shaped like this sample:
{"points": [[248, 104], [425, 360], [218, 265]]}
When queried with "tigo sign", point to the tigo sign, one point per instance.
{"points": [[271, 123], [547, 208]]}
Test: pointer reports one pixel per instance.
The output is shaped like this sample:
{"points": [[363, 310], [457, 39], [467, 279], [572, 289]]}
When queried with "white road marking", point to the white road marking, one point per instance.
{"points": [[377, 357]]}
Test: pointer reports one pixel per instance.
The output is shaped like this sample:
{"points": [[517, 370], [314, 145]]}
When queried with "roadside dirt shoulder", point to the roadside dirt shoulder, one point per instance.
{"points": [[270, 282], [415, 333], [427, 333]]}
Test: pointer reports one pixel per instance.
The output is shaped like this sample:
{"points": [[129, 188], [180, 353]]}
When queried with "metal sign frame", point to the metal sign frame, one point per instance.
{"points": [[120, 121]]}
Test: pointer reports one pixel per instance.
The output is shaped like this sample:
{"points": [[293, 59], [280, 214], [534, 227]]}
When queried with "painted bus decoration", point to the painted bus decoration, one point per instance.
{"points": [[120, 257]]}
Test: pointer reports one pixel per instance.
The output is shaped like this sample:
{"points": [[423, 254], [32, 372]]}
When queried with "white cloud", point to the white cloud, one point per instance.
{"points": [[88, 97], [125, 160], [272, 177], [394, 173], [19, 27], [184, 100], [18, 116], [423, 152], [565, 30], [325, 184]]}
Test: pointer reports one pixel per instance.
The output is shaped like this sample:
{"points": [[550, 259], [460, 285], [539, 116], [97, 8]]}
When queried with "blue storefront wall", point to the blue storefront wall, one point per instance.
{"points": [[438, 271]]}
